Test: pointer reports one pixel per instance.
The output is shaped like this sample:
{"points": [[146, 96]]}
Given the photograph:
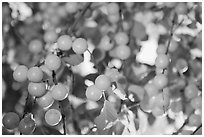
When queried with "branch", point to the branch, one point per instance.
{"points": [[171, 34], [184, 124], [194, 132], [70, 30], [181, 128]]}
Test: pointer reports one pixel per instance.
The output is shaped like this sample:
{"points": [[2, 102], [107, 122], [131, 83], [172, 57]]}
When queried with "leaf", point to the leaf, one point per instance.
{"points": [[118, 128], [139, 30], [107, 117], [45, 130], [98, 55], [91, 76], [137, 124], [74, 59], [100, 122], [151, 118]]}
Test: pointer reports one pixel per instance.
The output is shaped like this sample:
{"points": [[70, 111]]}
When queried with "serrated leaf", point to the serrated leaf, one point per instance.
{"points": [[107, 117], [74, 59], [109, 112], [100, 122]]}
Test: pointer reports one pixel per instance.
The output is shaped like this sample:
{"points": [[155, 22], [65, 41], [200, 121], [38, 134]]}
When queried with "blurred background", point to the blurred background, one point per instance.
{"points": [[147, 23]]}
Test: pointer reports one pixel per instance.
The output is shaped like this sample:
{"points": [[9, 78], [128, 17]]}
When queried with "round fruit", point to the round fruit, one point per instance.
{"points": [[20, 73], [162, 61], [93, 93], [158, 111], [191, 91], [71, 7], [173, 46], [64, 42], [53, 117], [151, 89], [123, 52], [50, 36], [160, 81], [121, 38], [79, 45], [53, 62], [170, 4], [61, 11], [47, 71], [176, 106], [102, 82], [129, 4], [196, 102], [113, 8], [35, 74], [181, 65], [161, 49], [145, 104], [36, 89], [114, 18], [181, 8], [46, 100], [112, 73], [194, 120], [35, 46], [59, 92], [106, 43], [26, 126], [181, 83], [11, 120], [162, 100]]}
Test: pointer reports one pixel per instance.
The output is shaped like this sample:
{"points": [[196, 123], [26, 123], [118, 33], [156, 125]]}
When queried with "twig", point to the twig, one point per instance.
{"points": [[181, 128], [28, 107], [104, 96], [63, 118], [54, 77], [60, 102], [90, 130], [134, 105], [184, 124], [196, 129], [70, 30], [170, 36]]}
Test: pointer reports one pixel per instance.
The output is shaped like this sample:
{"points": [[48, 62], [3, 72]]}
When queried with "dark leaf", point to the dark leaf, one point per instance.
{"points": [[151, 118], [74, 59], [108, 115], [136, 121], [45, 130], [118, 128]]}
